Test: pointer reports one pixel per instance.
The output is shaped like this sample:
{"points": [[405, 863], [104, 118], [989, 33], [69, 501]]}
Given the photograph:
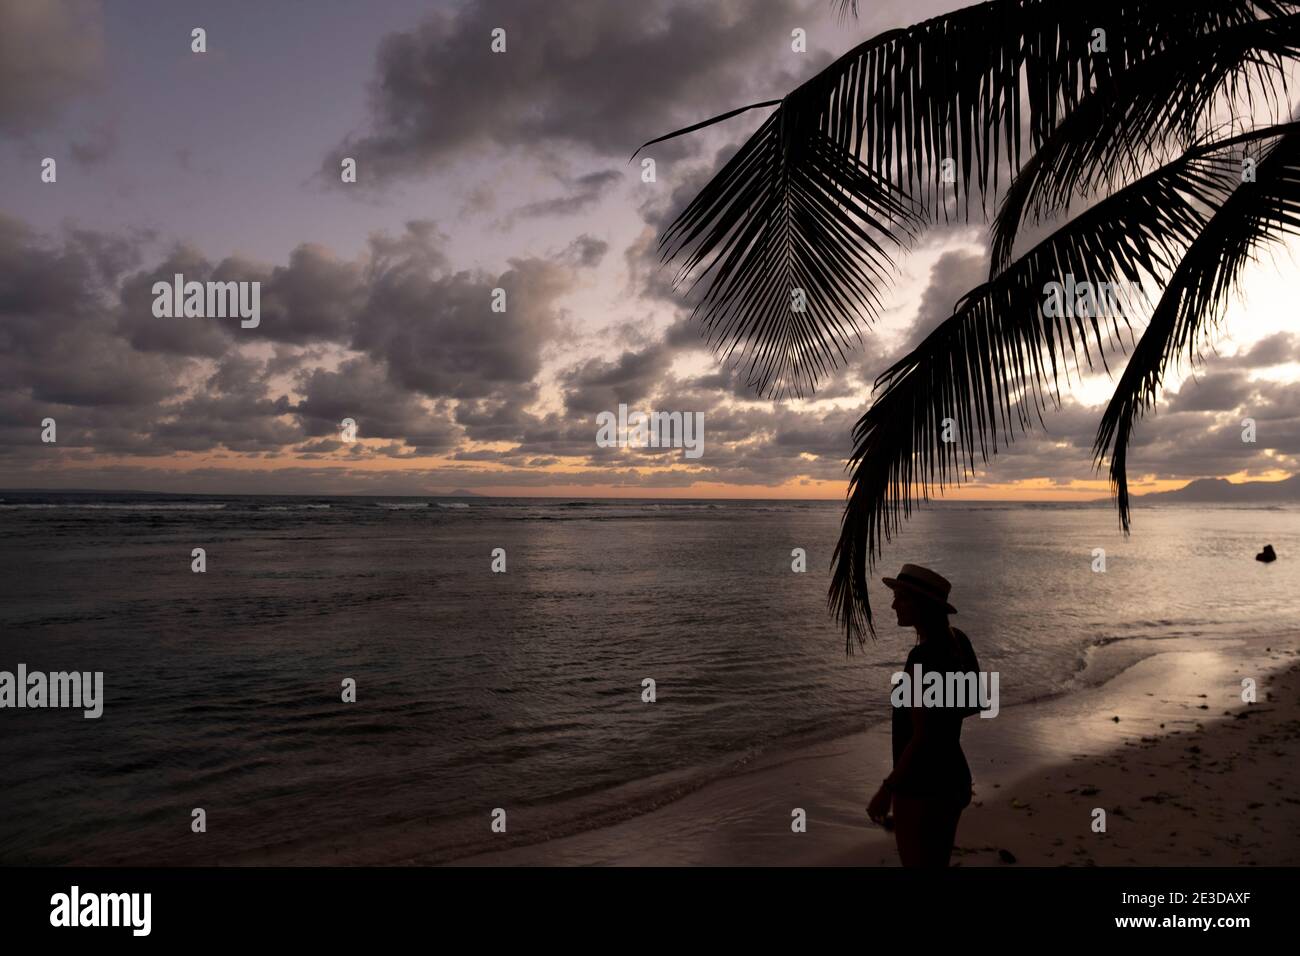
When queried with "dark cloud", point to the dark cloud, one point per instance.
{"points": [[604, 76], [173, 336], [58, 343], [1169, 443], [502, 418], [1217, 391], [1279, 348], [438, 332], [1193, 432], [648, 275], [361, 390], [77, 331], [599, 385], [660, 208], [51, 52], [953, 275], [240, 420], [826, 435], [409, 348], [99, 143], [480, 199], [583, 193], [586, 251], [313, 299]]}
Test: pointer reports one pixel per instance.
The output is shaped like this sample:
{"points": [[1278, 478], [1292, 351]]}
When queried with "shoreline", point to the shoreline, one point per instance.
{"points": [[1041, 768]]}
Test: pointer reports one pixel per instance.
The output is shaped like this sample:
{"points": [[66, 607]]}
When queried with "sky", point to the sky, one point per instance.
{"points": [[476, 171]]}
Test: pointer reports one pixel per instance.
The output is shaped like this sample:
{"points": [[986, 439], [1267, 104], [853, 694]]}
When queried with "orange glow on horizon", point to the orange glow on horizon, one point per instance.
{"points": [[483, 480]]}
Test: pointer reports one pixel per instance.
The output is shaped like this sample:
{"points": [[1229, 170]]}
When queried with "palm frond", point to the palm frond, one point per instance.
{"points": [[846, 8], [1122, 126], [1196, 296], [796, 254], [994, 365], [953, 87]]}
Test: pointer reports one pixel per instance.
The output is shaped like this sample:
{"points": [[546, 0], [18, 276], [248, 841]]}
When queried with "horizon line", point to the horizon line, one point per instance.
{"points": [[470, 493]]}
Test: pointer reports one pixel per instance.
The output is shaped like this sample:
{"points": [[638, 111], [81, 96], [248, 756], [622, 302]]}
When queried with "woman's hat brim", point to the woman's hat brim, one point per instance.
{"points": [[894, 584]]}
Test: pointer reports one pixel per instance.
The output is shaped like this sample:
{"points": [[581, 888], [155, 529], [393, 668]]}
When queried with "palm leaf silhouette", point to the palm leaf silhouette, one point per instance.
{"points": [[1109, 136], [955, 87], [1196, 296], [996, 363], [799, 219], [854, 158]]}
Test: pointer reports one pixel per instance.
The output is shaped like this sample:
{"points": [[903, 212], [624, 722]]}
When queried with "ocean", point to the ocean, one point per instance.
{"points": [[478, 690]]}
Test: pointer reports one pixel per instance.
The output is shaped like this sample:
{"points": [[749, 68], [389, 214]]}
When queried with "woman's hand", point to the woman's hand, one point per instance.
{"points": [[878, 808]]}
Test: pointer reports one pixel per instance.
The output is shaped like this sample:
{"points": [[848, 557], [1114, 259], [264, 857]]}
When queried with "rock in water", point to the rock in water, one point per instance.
{"points": [[1268, 554]]}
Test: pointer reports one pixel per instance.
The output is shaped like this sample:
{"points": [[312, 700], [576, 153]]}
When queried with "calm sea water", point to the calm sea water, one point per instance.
{"points": [[477, 690]]}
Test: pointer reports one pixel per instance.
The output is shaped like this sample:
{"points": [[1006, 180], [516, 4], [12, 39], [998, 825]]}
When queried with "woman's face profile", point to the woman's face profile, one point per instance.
{"points": [[903, 608]]}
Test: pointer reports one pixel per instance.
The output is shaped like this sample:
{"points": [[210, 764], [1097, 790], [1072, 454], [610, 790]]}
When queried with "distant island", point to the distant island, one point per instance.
{"points": [[1220, 490], [461, 493]]}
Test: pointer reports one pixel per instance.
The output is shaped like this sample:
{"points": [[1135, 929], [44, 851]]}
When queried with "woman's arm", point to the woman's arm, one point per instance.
{"points": [[880, 803], [914, 743]]}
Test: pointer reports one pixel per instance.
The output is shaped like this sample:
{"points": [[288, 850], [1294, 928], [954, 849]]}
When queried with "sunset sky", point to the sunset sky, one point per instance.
{"points": [[476, 170]]}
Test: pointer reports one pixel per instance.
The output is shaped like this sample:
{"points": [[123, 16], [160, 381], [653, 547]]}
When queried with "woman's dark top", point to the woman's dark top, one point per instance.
{"points": [[938, 768]]}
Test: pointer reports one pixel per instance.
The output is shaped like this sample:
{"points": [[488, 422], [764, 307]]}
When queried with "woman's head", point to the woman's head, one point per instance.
{"points": [[921, 598]]}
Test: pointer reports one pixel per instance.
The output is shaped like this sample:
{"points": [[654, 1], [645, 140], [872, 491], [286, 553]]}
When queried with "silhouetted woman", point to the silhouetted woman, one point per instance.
{"points": [[931, 781]]}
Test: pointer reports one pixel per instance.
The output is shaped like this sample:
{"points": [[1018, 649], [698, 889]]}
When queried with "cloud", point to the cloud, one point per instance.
{"points": [[439, 335], [241, 420], [584, 192], [1218, 391], [175, 336], [99, 143], [58, 341], [361, 390], [51, 52], [648, 275], [953, 275], [1173, 442], [1280, 348], [408, 346], [599, 385], [313, 299], [586, 251], [601, 76]]}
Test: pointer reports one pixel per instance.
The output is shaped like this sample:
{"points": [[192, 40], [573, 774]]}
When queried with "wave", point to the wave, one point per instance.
{"points": [[400, 506], [88, 506]]}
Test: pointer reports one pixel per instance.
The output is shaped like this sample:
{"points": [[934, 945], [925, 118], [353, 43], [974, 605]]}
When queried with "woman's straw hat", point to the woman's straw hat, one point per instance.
{"points": [[924, 583]]}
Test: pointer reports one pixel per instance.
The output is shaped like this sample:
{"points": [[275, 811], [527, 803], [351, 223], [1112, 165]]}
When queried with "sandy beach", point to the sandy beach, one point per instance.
{"points": [[1186, 773]]}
